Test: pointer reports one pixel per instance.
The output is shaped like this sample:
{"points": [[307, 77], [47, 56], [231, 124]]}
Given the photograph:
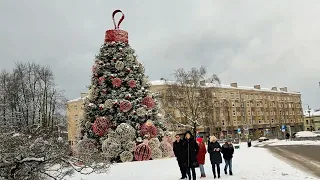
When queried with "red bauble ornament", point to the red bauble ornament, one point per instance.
{"points": [[116, 82], [125, 106], [101, 125], [148, 130], [149, 102], [116, 35], [142, 152], [132, 83], [101, 79]]}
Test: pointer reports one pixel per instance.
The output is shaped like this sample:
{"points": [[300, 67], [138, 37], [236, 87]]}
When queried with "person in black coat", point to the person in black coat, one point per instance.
{"points": [[227, 151], [214, 149], [178, 152], [190, 152]]}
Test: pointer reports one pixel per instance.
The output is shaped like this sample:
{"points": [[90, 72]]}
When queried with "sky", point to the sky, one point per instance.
{"points": [[270, 42]]}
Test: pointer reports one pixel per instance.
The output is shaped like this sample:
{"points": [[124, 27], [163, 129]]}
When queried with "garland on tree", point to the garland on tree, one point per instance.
{"points": [[120, 111]]}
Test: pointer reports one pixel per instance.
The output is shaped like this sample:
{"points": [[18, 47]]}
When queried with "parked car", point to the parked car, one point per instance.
{"points": [[316, 132], [305, 134], [261, 139], [294, 135]]}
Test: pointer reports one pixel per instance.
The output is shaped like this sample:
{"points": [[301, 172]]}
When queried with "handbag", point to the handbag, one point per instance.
{"points": [[195, 164]]}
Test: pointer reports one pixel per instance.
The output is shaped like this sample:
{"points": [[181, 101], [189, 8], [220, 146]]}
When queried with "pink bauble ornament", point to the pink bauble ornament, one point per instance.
{"points": [[125, 106], [132, 83], [149, 102], [101, 80], [148, 130], [116, 82], [168, 139], [142, 152], [101, 125]]}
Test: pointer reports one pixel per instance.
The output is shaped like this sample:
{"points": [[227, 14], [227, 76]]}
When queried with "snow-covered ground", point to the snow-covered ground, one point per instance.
{"points": [[248, 163], [276, 142]]}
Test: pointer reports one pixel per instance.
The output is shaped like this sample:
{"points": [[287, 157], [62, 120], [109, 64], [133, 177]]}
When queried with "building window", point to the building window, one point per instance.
{"points": [[307, 121], [259, 121], [248, 104], [232, 103], [272, 121], [234, 113]]}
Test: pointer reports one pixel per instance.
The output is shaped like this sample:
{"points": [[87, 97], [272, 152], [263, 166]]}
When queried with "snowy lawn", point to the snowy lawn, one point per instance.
{"points": [[248, 163]]}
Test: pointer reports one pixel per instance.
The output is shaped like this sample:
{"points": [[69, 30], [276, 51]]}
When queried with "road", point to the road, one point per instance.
{"points": [[306, 158]]}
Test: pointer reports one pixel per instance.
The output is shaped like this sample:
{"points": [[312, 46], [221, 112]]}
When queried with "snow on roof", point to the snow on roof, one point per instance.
{"points": [[75, 100], [312, 113], [163, 82]]}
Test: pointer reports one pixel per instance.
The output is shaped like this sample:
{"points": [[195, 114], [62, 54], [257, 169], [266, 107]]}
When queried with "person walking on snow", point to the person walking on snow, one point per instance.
{"points": [[227, 151], [190, 151], [201, 156], [178, 152], [214, 149]]}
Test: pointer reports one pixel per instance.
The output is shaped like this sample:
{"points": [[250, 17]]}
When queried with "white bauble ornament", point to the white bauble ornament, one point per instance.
{"points": [[108, 103], [119, 65]]}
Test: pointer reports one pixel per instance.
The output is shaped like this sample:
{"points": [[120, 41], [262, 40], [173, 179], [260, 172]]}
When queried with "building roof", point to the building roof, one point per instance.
{"points": [[75, 100], [163, 82], [312, 113]]}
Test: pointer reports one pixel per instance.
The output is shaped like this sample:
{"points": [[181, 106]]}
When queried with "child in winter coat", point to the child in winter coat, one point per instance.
{"points": [[201, 156], [227, 151], [214, 149]]}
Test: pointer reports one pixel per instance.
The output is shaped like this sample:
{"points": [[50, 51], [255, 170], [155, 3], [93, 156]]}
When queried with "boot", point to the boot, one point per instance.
{"points": [[230, 172], [225, 171]]}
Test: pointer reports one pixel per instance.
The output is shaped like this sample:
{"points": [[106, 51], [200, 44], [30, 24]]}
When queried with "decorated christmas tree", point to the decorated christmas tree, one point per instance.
{"points": [[121, 117]]}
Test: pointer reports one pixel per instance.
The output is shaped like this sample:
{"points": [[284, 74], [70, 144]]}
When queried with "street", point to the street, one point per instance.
{"points": [[304, 157]]}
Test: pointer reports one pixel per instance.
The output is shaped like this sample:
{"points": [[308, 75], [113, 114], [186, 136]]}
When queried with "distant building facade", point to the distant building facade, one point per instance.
{"points": [[74, 114], [254, 109], [312, 120]]}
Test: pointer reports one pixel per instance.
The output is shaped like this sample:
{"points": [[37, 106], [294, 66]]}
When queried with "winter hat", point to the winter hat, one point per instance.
{"points": [[199, 140], [213, 138]]}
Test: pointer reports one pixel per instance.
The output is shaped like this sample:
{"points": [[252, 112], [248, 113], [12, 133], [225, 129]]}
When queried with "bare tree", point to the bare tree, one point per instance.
{"points": [[189, 97], [32, 145]]}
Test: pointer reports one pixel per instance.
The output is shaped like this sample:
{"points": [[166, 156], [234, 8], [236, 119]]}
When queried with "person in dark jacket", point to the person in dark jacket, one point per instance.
{"points": [[190, 152], [214, 149], [249, 143], [227, 151], [178, 152]]}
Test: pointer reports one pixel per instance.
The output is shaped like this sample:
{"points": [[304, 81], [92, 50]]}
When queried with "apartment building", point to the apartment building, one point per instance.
{"points": [[253, 109], [74, 114]]}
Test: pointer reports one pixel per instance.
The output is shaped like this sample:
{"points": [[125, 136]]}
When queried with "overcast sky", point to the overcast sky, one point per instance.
{"points": [[271, 43]]}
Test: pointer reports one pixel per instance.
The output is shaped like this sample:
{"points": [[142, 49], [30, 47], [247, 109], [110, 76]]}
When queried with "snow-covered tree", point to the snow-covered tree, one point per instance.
{"points": [[120, 108], [189, 98]]}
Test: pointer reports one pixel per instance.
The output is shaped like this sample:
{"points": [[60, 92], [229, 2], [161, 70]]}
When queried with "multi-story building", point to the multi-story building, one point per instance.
{"points": [[255, 109], [74, 114]]}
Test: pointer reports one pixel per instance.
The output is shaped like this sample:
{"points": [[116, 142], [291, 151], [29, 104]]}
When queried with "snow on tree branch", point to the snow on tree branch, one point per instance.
{"points": [[190, 98]]}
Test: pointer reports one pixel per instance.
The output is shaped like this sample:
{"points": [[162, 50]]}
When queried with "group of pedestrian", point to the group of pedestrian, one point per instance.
{"points": [[191, 152]]}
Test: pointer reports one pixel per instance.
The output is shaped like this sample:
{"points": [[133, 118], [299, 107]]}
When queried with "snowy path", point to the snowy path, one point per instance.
{"points": [[248, 163]]}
